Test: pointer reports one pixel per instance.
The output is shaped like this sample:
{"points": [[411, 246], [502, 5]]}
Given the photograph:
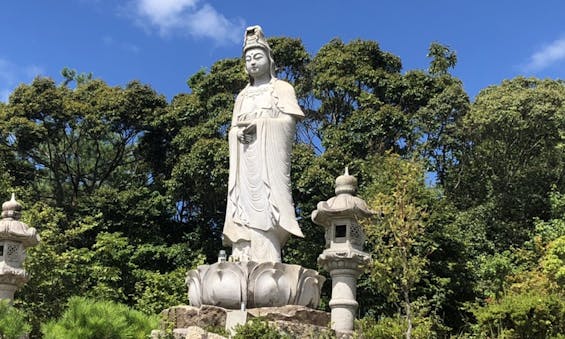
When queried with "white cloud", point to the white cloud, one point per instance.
{"points": [[11, 75], [165, 13], [191, 17], [547, 56]]}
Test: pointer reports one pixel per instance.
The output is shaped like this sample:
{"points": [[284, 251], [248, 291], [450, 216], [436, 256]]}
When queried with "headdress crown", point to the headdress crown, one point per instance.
{"points": [[254, 37]]}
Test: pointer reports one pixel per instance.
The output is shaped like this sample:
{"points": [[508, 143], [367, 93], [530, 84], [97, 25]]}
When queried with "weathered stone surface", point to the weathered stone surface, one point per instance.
{"points": [[297, 321], [253, 284], [292, 314], [192, 332], [301, 330], [195, 332], [186, 316]]}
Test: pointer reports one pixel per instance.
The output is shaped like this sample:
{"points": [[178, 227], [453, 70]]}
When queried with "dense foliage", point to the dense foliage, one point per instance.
{"points": [[90, 319], [12, 322], [128, 190]]}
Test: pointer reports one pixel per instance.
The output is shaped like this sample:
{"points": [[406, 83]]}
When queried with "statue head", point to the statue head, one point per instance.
{"points": [[254, 38]]}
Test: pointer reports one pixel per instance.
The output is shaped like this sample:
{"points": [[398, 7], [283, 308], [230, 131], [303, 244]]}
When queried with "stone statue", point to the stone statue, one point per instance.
{"points": [[260, 214], [260, 211]]}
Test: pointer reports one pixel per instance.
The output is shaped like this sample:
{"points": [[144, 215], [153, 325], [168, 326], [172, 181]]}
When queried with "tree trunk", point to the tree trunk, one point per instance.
{"points": [[408, 313]]}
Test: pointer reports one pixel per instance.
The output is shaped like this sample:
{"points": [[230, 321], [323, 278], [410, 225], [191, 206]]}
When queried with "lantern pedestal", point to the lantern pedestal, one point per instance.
{"points": [[344, 270], [7, 291]]}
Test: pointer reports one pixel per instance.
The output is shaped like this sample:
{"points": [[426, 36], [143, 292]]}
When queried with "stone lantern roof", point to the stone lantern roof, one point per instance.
{"points": [[344, 204], [11, 228]]}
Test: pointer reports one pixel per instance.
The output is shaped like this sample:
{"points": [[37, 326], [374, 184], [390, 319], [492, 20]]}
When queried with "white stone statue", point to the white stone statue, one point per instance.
{"points": [[260, 212]]}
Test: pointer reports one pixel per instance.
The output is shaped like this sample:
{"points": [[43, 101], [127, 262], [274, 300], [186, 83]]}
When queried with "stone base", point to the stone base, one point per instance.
{"points": [[249, 284], [195, 322]]}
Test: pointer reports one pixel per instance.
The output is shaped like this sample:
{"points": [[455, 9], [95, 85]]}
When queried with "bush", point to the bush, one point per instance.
{"points": [[12, 322], [553, 262], [525, 315], [258, 328], [395, 327], [89, 319]]}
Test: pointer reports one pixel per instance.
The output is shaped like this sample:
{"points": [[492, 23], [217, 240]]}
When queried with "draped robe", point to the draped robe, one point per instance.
{"points": [[260, 212]]}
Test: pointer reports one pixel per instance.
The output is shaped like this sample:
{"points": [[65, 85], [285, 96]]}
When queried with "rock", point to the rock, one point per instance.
{"points": [[193, 322], [195, 332], [292, 314], [186, 316], [192, 332]]}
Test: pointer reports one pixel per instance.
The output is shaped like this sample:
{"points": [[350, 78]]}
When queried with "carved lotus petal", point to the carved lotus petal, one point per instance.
{"points": [[222, 286], [309, 292], [194, 288], [267, 284], [271, 287]]}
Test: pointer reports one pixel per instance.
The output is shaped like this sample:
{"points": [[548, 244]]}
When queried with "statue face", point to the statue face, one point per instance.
{"points": [[257, 62]]}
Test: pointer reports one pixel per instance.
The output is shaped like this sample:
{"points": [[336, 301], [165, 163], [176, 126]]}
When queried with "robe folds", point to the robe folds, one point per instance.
{"points": [[259, 191]]}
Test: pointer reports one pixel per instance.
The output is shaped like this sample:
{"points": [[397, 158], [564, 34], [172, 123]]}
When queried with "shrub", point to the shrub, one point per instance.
{"points": [[12, 322], [525, 315], [258, 328], [89, 319], [395, 327]]}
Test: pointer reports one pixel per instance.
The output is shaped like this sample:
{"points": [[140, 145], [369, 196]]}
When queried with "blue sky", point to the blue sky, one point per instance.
{"points": [[164, 42]]}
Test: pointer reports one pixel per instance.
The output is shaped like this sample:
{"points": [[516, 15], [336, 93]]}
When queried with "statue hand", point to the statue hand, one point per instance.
{"points": [[241, 136], [246, 135], [251, 129]]}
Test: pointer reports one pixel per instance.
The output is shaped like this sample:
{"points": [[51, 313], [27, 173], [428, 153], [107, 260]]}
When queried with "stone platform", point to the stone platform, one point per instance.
{"points": [[195, 322]]}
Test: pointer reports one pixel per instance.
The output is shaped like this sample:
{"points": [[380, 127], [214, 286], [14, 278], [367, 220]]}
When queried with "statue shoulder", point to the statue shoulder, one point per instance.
{"points": [[283, 87], [241, 93], [240, 96], [286, 98]]}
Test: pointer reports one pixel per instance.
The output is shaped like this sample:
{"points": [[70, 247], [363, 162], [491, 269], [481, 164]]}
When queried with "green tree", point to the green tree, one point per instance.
{"points": [[398, 243], [103, 212], [368, 107], [443, 58], [511, 156], [528, 302], [77, 139]]}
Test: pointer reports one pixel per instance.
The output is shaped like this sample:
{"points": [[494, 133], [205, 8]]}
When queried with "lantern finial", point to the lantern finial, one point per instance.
{"points": [[11, 209], [346, 184]]}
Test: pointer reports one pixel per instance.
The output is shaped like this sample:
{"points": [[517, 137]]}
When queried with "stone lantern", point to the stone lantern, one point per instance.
{"points": [[343, 256], [15, 237]]}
